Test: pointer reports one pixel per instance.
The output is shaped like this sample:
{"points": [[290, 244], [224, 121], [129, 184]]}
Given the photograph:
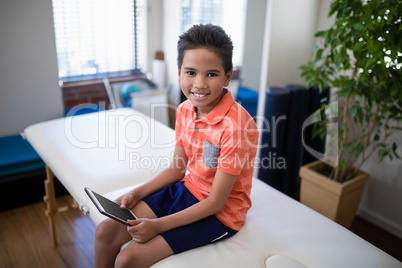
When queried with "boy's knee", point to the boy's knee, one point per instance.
{"points": [[105, 230], [122, 261], [131, 260]]}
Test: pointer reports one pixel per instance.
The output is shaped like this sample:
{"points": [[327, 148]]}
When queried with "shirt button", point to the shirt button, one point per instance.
{"points": [[196, 130], [195, 141]]}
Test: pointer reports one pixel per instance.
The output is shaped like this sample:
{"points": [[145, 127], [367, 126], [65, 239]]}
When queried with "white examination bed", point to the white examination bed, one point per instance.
{"points": [[113, 151]]}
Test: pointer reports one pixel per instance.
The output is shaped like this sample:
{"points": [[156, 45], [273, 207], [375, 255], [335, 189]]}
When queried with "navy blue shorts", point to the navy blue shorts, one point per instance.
{"points": [[177, 197]]}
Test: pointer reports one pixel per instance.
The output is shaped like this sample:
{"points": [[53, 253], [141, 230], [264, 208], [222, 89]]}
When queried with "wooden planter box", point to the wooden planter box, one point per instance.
{"points": [[337, 201]]}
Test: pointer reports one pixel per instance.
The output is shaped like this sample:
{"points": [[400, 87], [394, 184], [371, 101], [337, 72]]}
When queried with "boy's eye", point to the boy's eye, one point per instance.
{"points": [[212, 74], [191, 73]]}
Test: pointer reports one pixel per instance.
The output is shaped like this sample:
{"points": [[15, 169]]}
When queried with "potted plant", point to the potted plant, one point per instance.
{"points": [[360, 59]]}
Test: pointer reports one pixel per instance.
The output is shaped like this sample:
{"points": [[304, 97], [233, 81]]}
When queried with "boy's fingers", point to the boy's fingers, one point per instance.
{"points": [[133, 223], [123, 202], [126, 201]]}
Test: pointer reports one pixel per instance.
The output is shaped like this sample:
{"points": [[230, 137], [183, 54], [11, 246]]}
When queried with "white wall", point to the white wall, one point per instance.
{"points": [[292, 36], [382, 198], [29, 91], [171, 31], [253, 45], [155, 34], [292, 29]]}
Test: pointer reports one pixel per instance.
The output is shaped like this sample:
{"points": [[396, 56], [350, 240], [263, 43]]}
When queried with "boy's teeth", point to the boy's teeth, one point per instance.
{"points": [[199, 95]]}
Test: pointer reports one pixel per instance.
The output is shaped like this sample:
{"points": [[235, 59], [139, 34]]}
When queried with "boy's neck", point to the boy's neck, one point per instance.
{"points": [[200, 115]]}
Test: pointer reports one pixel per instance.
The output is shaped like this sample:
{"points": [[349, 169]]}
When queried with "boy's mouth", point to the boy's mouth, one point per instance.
{"points": [[199, 95]]}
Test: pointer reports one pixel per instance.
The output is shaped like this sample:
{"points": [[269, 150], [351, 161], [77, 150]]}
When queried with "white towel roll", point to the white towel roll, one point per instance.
{"points": [[159, 73]]}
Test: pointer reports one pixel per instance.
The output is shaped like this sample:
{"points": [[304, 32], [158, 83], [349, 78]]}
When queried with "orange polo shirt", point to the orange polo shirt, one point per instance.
{"points": [[226, 139]]}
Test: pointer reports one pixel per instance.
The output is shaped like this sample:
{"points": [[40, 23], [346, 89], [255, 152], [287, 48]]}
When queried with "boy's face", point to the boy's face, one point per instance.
{"points": [[202, 79]]}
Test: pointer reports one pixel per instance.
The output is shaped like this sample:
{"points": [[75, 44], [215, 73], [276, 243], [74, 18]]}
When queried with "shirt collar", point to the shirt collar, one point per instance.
{"points": [[220, 110]]}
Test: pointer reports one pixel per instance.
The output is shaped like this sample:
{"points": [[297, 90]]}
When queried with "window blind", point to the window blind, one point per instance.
{"points": [[99, 38]]}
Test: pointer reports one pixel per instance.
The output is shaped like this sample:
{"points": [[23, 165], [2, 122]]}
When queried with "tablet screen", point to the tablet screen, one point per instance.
{"points": [[111, 208]]}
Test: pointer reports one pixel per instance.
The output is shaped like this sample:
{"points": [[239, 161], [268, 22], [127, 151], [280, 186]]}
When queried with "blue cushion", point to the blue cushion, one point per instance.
{"points": [[83, 109], [17, 156], [248, 98]]}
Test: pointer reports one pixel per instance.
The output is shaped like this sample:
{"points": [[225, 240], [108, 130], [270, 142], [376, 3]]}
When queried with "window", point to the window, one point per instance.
{"points": [[229, 14], [99, 38]]}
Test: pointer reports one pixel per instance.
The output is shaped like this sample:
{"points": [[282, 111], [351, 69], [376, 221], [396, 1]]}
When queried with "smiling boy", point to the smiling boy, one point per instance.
{"points": [[204, 195]]}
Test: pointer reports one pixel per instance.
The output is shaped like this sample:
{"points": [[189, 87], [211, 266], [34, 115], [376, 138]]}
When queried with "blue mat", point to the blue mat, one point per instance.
{"points": [[83, 109], [298, 105], [17, 156], [248, 99], [314, 103], [272, 164]]}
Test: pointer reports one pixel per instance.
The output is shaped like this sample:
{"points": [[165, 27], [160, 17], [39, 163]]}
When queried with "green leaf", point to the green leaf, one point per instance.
{"points": [[382, 152], [394, 148], [358, 26], [353, 111], [318, 56], [397, 155], [321, 34], [357, 148], [372, 46]]}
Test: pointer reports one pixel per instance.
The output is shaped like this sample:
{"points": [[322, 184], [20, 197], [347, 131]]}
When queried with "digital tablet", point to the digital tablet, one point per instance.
{"points": [[109, 208]]}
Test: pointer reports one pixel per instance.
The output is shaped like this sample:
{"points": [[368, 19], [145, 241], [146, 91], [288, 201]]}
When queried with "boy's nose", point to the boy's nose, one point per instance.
{"points": [[200, 83]]}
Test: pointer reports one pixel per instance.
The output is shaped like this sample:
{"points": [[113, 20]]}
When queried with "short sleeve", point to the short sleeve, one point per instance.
{"points": [[238, 147], [178, 126]]}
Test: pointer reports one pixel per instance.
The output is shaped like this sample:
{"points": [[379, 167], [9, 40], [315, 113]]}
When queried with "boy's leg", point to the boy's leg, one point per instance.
{"points": [[110, 235], [144, 254]]}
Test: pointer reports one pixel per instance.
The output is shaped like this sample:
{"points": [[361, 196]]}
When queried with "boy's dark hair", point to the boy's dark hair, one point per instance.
{"points": [[210, 37]]}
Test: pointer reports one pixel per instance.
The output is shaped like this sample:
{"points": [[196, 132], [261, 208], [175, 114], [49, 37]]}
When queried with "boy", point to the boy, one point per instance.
{"points": [[216, 141]]}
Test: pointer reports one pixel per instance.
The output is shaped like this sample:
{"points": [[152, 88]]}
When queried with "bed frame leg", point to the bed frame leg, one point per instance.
{"points": [[50, 200]]}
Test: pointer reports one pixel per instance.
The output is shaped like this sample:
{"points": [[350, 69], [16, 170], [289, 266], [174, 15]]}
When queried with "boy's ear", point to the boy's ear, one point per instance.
{"points": [[179, 74], [228, 76]]}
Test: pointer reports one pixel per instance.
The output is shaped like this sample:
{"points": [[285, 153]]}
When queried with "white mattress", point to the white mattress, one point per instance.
{"points": [[113, 151], [280, 227], [105, 151]]}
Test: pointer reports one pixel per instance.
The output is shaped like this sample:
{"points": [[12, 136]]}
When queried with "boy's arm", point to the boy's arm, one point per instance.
{"points": [[145, 229], [215, 202], [174, 173]]}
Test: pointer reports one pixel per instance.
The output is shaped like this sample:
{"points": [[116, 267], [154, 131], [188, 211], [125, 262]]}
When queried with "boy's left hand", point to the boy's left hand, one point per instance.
{"points": [[143, 230]]}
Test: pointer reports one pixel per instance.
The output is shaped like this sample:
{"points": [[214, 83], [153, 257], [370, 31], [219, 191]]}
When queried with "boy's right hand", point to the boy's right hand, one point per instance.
{"points": [[127, 200]]}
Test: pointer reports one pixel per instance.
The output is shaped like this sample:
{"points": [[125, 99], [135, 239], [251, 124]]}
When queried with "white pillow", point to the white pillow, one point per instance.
{"points": [[281, 261]]}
